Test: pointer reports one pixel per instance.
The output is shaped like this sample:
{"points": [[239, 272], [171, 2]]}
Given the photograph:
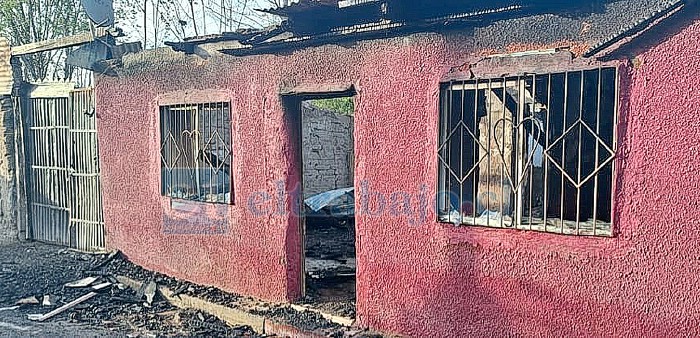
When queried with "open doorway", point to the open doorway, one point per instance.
{"points": [[327, 149]]}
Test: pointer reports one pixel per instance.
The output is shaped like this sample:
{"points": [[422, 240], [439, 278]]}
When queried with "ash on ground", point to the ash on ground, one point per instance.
{"points": [[305, 320], [37, 273]]}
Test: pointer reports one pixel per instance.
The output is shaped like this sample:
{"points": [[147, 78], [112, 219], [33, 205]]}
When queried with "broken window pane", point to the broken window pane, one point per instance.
{"points": [[532, 152]]}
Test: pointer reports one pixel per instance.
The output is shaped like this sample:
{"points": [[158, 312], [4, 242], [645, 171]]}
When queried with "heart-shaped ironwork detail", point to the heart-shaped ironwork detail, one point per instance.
{"points": [[516, 185], [191, 137]]}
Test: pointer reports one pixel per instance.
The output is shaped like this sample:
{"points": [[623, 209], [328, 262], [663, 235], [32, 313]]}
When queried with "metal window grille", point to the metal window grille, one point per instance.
{"points": [[195, 149], [532, 152]]}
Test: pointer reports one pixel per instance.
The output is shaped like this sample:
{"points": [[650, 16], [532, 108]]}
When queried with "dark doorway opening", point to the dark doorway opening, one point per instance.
{"points": [[327, 154]]}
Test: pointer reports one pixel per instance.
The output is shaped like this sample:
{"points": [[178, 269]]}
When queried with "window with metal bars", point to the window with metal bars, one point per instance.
{"points": [[532, 152], [195, 149]]}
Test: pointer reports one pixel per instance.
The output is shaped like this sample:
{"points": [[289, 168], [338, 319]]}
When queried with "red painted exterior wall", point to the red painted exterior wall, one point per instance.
{"points": [[417, 277]]}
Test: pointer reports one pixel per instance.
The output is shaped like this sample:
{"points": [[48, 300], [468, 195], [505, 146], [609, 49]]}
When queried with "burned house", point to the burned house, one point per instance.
{"points": [[518, 167]]}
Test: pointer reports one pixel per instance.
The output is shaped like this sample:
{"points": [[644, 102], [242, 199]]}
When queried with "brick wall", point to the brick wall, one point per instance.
{"points": [[327, 150]]}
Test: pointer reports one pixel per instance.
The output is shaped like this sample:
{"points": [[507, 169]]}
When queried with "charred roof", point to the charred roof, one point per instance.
{"points": [[316, 22]]}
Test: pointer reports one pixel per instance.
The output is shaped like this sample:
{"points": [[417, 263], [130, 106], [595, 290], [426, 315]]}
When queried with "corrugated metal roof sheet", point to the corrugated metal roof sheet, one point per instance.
{"points": [[5, 68]]}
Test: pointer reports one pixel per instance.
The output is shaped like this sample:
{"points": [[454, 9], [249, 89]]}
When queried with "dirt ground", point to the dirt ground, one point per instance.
{"points": [[38, 270]]}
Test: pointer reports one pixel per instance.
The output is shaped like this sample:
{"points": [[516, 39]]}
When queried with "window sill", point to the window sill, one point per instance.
{"points": [[191, 205], [553, 226]]}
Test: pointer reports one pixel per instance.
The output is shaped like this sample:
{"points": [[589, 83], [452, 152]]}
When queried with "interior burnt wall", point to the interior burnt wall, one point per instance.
{"points": [[415, 276]]}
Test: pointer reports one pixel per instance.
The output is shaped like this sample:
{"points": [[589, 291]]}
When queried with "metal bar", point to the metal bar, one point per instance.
{"points": [[195, 153], [51, 168], [545, 159], [213, 148], [35, 182], [613, 184], [205, 127], [83, 131], [179, 171], [449, 158], [502, 151], [442, 175], [480, 84], [474, 154], [223, 186], [49, 128], [489, 97], [51, 110], [520, 156], [532, 144], [563, 150], [597, 149], [87, 221], [169, 118], [578, 171], [49, 206]]}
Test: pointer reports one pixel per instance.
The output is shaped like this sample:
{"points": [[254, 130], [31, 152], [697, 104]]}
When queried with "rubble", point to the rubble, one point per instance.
{"points": [[37, 271], [104, 302], [27, 300], [82, 282], [83, 298], [330, 268], [150, 291], [306, 320], [46, 300]]}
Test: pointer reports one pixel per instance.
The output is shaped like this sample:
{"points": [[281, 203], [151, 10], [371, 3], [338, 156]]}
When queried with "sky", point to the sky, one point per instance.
{"points": [[208, 18]]}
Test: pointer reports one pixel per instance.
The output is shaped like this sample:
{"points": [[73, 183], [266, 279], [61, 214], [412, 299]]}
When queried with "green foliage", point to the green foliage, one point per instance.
{"points": [[340, 105], [27, 21]]}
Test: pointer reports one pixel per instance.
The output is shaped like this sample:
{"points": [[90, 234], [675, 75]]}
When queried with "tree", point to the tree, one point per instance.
{"points": [[157, 21], [27, 21]]}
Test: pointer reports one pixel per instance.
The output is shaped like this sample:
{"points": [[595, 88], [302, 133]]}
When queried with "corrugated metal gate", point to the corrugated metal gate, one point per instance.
{"points": [[63, 187]]}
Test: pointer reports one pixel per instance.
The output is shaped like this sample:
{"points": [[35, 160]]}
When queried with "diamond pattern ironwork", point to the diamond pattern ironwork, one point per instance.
{"points": [[216, 140], [602, 146], [167, 147], [461, 127]]}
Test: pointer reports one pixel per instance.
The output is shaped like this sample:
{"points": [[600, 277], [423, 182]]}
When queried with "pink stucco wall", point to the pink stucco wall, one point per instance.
{"points": [[415, 276]]}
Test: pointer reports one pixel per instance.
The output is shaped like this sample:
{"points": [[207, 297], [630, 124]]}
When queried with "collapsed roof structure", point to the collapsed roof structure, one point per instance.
{"points": [[309, 23]]}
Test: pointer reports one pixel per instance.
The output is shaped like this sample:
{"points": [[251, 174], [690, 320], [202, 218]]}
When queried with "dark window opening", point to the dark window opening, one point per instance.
{"points": [[195, 149], [533, 152]]}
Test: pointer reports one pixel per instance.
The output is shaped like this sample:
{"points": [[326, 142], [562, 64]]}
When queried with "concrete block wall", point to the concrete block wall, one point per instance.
{"points": [[328, 149]]}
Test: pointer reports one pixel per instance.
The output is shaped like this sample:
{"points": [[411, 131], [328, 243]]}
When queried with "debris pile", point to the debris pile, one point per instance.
{"points": [[330, 267], [50, 285], [306, 320], [78, 288]]}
